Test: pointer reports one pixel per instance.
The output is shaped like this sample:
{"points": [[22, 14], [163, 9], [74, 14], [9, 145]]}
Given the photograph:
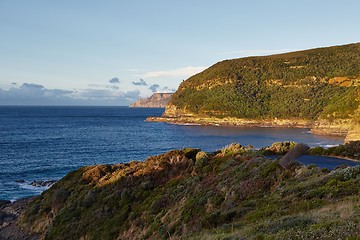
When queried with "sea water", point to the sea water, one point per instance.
{"points": [[46, 143]]}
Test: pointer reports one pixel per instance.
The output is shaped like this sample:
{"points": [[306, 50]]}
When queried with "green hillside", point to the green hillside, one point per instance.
{"points": [[233, 193], [306, 84]]}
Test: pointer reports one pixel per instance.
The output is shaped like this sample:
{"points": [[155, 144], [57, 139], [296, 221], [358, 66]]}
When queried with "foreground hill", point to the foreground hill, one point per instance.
{"points": [[189, 194], [318, 88], [156, 100]]}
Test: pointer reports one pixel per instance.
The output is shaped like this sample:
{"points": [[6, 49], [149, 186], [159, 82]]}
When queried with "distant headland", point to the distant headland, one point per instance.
{"points": [[157, 100]]}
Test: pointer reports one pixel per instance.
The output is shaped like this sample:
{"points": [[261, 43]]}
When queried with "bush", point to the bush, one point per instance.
{"points": [[201, 156], [59, 197], [317, 151], [279, 148], [233, 149], [201, 161]]}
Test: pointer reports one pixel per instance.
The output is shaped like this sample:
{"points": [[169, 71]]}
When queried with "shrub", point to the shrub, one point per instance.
{"points": [[201, 161], [59, 197], [279, 148], [317, 151], [233, 149], [201, 156]]}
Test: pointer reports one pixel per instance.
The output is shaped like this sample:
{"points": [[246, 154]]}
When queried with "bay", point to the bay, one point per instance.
{"points": [[45, 143]]}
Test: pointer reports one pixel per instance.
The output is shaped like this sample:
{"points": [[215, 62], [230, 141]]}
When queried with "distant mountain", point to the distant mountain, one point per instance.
{"points": [[157, 100], [317, 88]]}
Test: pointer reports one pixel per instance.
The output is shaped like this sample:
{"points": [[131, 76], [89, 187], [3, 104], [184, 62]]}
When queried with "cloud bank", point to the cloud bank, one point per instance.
{"points": [[36, 94]]}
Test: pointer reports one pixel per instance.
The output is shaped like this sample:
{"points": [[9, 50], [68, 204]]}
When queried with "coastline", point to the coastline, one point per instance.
{"points": [[234, 122], [240, 122], [9, 215], [343, 158], [339, 127], [170, 174]]}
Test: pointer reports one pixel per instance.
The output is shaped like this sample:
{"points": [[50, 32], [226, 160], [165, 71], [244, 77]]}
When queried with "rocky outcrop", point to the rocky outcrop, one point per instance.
{"points": [[43, 183], [157, 100], [353, 134], [292, 154], [231, 121], [9, 214], [350, 127], [336, 127]]}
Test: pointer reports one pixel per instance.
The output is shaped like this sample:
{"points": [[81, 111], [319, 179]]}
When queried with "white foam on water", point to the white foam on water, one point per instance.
{"points": [[307, 132], [190, 124], [329, 145], [35, 189]]}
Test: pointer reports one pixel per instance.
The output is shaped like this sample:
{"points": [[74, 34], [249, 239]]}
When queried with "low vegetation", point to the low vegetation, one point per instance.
{"points": [[233, 193], [350, 150]]}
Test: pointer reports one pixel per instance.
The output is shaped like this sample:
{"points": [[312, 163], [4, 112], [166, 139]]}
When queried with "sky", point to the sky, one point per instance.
{"points": [[90, 52]]}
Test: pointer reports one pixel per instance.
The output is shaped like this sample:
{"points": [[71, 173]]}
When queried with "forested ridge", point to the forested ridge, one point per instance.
{"points": [[305, 84]]}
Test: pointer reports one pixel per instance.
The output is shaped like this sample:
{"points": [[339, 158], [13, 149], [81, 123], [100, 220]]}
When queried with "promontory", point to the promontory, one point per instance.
{"points": [[317, 89]]}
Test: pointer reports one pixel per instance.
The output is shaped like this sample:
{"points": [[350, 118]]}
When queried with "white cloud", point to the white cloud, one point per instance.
{"points": [[180, 72]]}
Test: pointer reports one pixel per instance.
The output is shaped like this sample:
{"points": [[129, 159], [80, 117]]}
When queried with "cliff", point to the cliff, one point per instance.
{"points": [[157, 100], [318, 86], [190, 194]]}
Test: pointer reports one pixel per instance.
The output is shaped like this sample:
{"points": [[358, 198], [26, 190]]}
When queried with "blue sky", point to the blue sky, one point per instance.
{"points": [[88, 52]]}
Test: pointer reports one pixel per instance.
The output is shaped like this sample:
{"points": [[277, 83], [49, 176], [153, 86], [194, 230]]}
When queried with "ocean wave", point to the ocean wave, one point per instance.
{"points": [[328, 145], [307, 132], [37, 186]]}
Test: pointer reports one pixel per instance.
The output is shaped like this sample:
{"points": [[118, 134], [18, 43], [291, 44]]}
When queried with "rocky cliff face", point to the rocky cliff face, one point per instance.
{"points": [[157, 100], [353, 134]]}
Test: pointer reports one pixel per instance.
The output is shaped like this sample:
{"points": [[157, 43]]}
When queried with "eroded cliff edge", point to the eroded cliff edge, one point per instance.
{"points": [[317, 89]]}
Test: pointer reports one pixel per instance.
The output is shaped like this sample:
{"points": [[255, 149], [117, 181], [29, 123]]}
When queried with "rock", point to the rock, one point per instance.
{"points": [[20, 181], [293, 153], [353, 134], [41, 183], [9, 214], [342, 166], [336, 127]]}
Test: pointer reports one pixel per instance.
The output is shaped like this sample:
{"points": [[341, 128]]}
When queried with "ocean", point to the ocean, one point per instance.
{"points": [[46, 143]]}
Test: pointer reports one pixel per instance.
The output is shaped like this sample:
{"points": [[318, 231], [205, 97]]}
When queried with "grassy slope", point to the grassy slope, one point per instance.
{"points": [[185, 193], [290, 85]]}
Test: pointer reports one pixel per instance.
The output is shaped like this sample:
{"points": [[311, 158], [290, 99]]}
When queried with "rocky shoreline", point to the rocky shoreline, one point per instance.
{"points": [[235, 122], [342, 127], [9, 214], [94, 195]]}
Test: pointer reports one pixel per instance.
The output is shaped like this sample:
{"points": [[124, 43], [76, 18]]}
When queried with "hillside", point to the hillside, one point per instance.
{"points": [[320, 86], [189, 194], [156, 100]]}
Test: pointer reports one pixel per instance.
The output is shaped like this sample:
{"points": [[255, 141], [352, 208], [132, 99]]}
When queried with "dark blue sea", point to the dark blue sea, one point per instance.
{"points": [[45, 143]]}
